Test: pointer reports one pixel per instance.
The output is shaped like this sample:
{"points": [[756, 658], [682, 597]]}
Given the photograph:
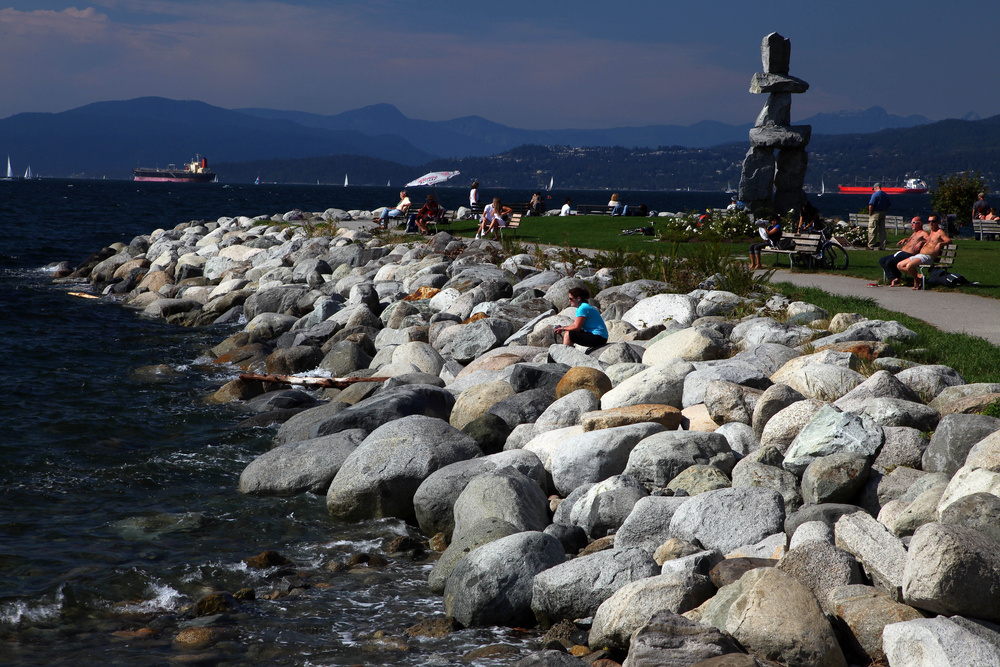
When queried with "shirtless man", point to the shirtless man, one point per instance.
{"points": [[909, 247], [936, 240]]}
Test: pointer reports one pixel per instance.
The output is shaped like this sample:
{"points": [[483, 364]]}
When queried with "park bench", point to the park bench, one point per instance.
{"points": [[593, 209], [896, 222], [513, 223], [806, 248], [945, 260], [984, 228]]}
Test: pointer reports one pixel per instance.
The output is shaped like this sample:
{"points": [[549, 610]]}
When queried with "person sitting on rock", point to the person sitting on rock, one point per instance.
{"points": [[909, 247], [401, 208], [588, 328]]}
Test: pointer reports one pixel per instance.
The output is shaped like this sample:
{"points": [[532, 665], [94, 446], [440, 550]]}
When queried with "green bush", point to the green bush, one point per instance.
{"points": [[957, 193]]}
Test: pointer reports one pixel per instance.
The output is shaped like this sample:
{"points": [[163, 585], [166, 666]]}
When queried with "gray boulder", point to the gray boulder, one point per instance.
{"points": [[749, 473], [930, 380], [596, 455], [503, 493], [387, 406], [660, 384], [821, 567], [434, 500], [296, 467], [523, 408], [604, 506], [829, 432], [492, 585], [660, 457], [634, 604], [836, 478], [380, 477], [954, 438], [728, 518], [672, 639], [473, 537], [736, 372], [577, 588], [879, 551], [937, 642], [474, 339], [648, 524]]}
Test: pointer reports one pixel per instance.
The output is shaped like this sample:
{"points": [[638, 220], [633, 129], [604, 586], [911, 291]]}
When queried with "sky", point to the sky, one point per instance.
{"points": [[551, 64]]}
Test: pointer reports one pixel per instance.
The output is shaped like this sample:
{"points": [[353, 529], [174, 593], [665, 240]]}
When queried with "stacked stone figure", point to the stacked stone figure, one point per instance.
{"points": [[766, 180]]}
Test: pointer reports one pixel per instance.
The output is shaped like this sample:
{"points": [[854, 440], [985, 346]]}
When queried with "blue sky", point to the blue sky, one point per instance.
{"points": [[538, 65]]}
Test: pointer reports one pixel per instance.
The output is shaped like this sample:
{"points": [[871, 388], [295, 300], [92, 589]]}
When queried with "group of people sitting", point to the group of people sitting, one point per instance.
{"points": [[920, 247], [430, 211]]}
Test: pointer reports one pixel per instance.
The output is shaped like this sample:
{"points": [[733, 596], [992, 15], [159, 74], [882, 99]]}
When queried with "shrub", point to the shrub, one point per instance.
{"points": [[957, 193]]}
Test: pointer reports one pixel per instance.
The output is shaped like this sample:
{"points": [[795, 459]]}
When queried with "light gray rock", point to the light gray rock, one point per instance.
{"points": [[830, 432], [653, 310], [740, 437], [603, 508], [296, 467], [648, 524], [782, 428], [718, 302], [762, 330], [503, 493], [492, 585], [478, 337], [879, 551], [671, 639], [737, 372], [836, 478], [728, 402], [821, 567], [576, 588], [952, 569], [930, 380], [775, 398], [633, 605], [566, 411], [596, 455], [936, 642], [903, 446], [748, 473], [809, 532], [659, 458], [473, 537], [768, 357], [979, 511], [691, 344], [728, 518], [379, 478], [661, 384], [434, 500], [869, 330], [954, 438]]}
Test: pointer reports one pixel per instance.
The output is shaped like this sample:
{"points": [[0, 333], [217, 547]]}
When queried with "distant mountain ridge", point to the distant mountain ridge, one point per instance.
{"points": [[110, 138]]}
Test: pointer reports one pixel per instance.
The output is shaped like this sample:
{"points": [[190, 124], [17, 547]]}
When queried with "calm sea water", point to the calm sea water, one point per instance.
{"points": [[118, 493]]}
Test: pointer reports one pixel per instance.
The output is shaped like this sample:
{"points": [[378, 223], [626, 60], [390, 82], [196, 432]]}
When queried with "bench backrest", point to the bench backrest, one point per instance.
{"points": [[947, 256]]}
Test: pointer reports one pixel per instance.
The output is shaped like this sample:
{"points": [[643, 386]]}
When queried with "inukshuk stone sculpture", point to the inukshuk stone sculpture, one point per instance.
{"points": [[766, 181]]}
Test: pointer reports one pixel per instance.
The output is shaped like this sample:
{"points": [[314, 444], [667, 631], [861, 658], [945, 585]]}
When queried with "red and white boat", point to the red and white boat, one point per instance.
{"points": [[196, 171], [912, 186]]}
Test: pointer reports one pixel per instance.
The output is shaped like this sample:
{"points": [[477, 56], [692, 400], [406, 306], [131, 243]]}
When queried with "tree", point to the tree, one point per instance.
{"points": [[957, 193]]}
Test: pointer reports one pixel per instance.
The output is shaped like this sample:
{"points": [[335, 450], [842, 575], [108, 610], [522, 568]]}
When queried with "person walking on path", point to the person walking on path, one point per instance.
{"points": [[588, 328], [929, 252], [877, 206], [909, 247]]}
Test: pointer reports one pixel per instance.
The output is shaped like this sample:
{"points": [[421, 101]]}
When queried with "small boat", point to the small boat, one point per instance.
{"points": [[551, 181], [10, 172], [28, 174], [257, 182], [912, 186], [345, 180], [196, 171], [822, 187], [388, 184]]}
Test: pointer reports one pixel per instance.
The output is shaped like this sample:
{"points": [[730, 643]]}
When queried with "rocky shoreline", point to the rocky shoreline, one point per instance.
{"points": [[730, 481]]}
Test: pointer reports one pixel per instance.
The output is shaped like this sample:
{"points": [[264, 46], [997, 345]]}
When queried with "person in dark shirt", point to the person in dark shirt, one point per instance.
{"points": [[773, 227], [877, 206]]}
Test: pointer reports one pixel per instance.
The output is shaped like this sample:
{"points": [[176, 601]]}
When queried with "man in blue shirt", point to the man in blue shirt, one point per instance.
{"points": [[877, 206]]}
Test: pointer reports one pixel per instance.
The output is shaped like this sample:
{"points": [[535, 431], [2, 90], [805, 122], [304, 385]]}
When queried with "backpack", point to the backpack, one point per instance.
{"points": [[945, 279]]}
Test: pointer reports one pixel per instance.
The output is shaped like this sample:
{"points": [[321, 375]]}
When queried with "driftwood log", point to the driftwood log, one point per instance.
{"points": [[338, 383]]}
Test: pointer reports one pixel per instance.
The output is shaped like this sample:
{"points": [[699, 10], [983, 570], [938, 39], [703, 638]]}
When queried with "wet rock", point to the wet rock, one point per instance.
{"points": [[298, 467]]}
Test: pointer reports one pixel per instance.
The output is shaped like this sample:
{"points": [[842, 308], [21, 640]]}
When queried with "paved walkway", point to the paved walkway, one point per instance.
{"points": [[948, 311]]}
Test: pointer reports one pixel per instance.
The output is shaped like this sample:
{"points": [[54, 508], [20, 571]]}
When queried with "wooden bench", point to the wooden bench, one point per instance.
{"points": [[592, 209], [945, 260], [984, 228], [806, 248], [894, 221], [513, 223]]}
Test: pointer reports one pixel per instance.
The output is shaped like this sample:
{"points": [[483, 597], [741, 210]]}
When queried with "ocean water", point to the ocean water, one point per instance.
{"points": [[118, 491]]}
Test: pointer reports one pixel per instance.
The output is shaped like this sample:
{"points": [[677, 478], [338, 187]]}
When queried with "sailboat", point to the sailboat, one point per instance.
{"points": [[257, 182], [552, 179], [388, 183], [822, 187], [10, 172], [345, 180], [28, 173]]}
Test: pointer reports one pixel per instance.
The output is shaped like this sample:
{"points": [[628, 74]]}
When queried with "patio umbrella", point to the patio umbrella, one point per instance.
{"points": [[433, 178]]}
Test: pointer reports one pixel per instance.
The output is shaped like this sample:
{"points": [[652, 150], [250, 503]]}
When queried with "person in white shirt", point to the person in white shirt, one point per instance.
{"points": [[493, 219], [566, 208], [401, 208]]}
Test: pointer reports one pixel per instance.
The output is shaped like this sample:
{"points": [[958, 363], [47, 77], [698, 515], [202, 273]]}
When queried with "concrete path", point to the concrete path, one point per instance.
{"points": [[948, 311]]}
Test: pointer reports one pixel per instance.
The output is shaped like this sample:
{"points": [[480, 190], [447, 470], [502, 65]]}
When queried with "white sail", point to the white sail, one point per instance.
{"points": [[27, 172], [10, 172], [345, 180], [822, 187], [552, 180]]}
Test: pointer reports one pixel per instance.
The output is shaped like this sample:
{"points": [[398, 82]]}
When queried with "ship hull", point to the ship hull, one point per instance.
{"points": [[163, 176], [856, 190]]}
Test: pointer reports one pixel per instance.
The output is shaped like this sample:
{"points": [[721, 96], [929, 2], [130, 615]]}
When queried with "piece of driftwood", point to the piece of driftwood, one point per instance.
{"points": [[83, 295], [338, 383]]}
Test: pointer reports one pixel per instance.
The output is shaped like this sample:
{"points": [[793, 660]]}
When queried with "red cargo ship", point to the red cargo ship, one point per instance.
{"points": [[196, 171], [913, 186]]}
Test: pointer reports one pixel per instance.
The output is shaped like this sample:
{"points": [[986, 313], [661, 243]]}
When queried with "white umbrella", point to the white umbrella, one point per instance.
{"points": [[433, 178]]}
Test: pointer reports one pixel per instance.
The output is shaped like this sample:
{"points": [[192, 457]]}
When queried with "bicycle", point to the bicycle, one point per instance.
{"points": [[830, 253]]}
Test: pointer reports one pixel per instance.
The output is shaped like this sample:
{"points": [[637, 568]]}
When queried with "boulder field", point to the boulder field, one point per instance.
{"points": [[729, 481]]}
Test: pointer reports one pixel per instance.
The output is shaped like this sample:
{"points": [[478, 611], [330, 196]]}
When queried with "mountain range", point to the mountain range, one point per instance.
{"points": [[108, 139]]}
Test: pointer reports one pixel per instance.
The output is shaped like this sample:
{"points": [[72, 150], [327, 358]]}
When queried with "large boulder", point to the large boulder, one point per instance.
{"points": [[660, 457], [881, 553], [380, 477], [387, 406], [648, 524], [830, 432], [939, 642], [473, 537], [577, 588], [663, 383], [953, 438], [492, 585], [861, 613], [296, 467], [672, 639], [725, 519], [596, 455], [503, 493]]}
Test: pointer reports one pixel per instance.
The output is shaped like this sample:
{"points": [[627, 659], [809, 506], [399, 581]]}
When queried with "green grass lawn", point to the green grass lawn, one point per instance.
{"points": [[976, 260]]}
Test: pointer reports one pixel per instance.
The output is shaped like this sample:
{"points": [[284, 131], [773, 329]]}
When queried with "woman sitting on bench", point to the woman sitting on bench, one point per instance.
{"points": [[493, 219], [773, 236]]}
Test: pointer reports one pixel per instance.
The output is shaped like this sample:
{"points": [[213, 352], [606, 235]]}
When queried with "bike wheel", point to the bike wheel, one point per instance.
{"points": [[835, 257]]}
